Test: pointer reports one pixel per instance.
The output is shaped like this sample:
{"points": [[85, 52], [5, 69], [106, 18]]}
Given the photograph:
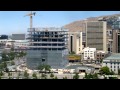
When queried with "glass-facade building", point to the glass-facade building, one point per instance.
{"points": [[47, 46], [116, 36]]}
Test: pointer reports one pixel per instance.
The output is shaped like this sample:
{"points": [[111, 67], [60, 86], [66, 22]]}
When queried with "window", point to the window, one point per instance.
{"points": [[114, 69], [111, 66], [43, 60], [110, 32]]}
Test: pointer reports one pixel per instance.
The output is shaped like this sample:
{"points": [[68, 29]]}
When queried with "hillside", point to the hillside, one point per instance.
{"points": [[80, 26]]}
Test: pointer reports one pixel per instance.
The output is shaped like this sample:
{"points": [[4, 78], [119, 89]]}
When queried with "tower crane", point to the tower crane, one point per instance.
{"points": [[31, 14]]}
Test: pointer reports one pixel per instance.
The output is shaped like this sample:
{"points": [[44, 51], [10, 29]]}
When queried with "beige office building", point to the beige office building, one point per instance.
{"points": [[96, 36], [75, 42]]}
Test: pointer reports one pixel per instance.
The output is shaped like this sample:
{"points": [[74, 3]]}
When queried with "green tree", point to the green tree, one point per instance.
{"points": [[6, 70], [52, 75], [105, 70], [64, 77], [17, 55], [56, 77], [43, 76], [5, 57], [44, 67], [47, 68], [91, 76], [76, 76], [22, 54], [95, 76], [10, 74], [26, 75], [40, 67], [4, 64], [118, 71], [1, 73], [12, 63], [34, 76], [11, 55], [18, 75], [12, 49], [1, 66]]}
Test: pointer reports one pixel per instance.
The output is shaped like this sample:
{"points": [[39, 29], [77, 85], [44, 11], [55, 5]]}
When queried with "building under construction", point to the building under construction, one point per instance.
{"points": [[47, 46]]}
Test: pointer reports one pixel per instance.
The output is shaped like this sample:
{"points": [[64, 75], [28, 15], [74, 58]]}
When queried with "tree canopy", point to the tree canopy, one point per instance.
{"points": [[105, 70], [76, 76]]}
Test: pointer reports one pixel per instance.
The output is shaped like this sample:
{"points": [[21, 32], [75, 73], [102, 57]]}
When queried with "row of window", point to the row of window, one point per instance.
{"points": [[115, 66], [89, 51], [113, 63], [89, 56], [47, 49], [49, 44], [21, 44]]}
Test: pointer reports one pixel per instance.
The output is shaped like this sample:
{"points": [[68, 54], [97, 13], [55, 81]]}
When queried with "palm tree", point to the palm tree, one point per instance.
{"points": [[26, 75], [52, 75], [9, 74], [47, 68], [56, 77], [18, 75], [1, 74], [43, 76], [76, 76], [34, 76], [40, 67], [64, 77]]}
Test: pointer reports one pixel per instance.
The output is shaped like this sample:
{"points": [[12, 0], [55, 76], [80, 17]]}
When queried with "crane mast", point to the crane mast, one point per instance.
{"points": [[31, 14]]}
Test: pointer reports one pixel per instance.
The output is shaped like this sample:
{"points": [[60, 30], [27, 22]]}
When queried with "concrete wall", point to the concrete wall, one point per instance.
{"points": [[77, 42]]}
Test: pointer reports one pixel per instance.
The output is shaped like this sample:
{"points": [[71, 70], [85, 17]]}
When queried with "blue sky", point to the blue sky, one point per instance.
{"points": [[15, 22]]}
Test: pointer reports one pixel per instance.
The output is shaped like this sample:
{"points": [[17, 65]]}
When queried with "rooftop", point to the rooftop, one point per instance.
{"points": [[78, 66], [113, 56], [50, 29]]}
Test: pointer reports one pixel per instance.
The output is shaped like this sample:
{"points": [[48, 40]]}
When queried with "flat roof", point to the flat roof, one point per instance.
{"points": [[113, 56], [78, 66]]}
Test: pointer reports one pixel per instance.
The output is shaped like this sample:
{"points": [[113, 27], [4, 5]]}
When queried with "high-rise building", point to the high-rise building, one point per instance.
{"points": [[96, 36], [47, 46], [116, 36], [75, 42], [116, 41]]}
